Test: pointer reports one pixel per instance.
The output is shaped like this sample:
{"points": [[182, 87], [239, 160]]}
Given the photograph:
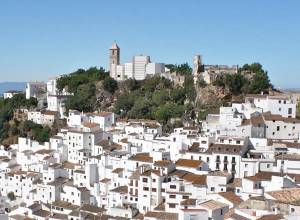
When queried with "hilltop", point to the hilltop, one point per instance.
{"points": [[160, 98]]}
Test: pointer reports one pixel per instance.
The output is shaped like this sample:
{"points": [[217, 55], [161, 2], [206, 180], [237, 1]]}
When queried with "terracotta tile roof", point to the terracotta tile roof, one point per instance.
{"points": [[162, 163], [118, 170], [66, 205], [219, 173], [295, 157], [160, 207], [179, 173], [143, 157], [231, 197], [189, 163], [212, 205], [68, 165], [225, 149], [162, 215], [235, 216], [195, 179], [124, 140], [258, 120], [149, 172], [91, 209], [42, 213], [262, 176], [91, 125], [287, 196], [271, 217], [237, 182], [44, 151], [120, 189], [58, 181], [188, 202], [105, 180], [286, 143]]}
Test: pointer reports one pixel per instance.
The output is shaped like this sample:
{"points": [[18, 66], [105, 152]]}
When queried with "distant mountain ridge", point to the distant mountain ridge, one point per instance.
{"points": [[6, 86]]}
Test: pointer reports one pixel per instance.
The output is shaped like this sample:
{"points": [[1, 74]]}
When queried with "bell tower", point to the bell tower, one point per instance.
{"points": [[114, 55]]}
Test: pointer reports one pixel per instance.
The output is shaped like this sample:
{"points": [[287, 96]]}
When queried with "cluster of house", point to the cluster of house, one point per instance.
{"points": [[243, 163]]}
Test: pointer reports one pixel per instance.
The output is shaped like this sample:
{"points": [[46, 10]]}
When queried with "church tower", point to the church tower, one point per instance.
{"points": [[114, 57]]}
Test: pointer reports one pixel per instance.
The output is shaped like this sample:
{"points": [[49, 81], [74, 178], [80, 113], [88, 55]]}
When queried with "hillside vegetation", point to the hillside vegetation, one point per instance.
{"points": [[156, 97], [10, 129]]}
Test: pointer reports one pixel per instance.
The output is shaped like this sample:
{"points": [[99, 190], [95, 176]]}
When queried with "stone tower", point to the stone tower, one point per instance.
{"points": [[114, 56], [197, 67]]}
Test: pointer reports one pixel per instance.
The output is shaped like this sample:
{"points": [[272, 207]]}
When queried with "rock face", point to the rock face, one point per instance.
{"points": [[210, 94], [104, 99]]}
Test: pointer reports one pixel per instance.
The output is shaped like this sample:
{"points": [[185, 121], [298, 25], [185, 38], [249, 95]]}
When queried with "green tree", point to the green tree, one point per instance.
{"points": [[160, 97], [124, 103], [182, 69], [110, 84], [178, 95], [141, 109], [260, 83], [235, 83], [132, 84], [189, 88]]}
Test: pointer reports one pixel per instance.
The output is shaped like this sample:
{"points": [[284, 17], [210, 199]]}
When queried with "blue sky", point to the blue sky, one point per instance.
{"points": [[41, 39]]}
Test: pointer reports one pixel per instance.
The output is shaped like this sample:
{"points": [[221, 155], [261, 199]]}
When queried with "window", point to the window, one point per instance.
{"points": [[233, 159], [171, 205], [212, 189], [268, 165], [145, 180], [225, 167], [172, 196], [278, 128], [172, 186], [292, 210]]}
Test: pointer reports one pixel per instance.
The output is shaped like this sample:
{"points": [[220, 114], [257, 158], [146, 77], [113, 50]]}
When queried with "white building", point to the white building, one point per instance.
{"points": [[10, 94], [140, 68]]}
